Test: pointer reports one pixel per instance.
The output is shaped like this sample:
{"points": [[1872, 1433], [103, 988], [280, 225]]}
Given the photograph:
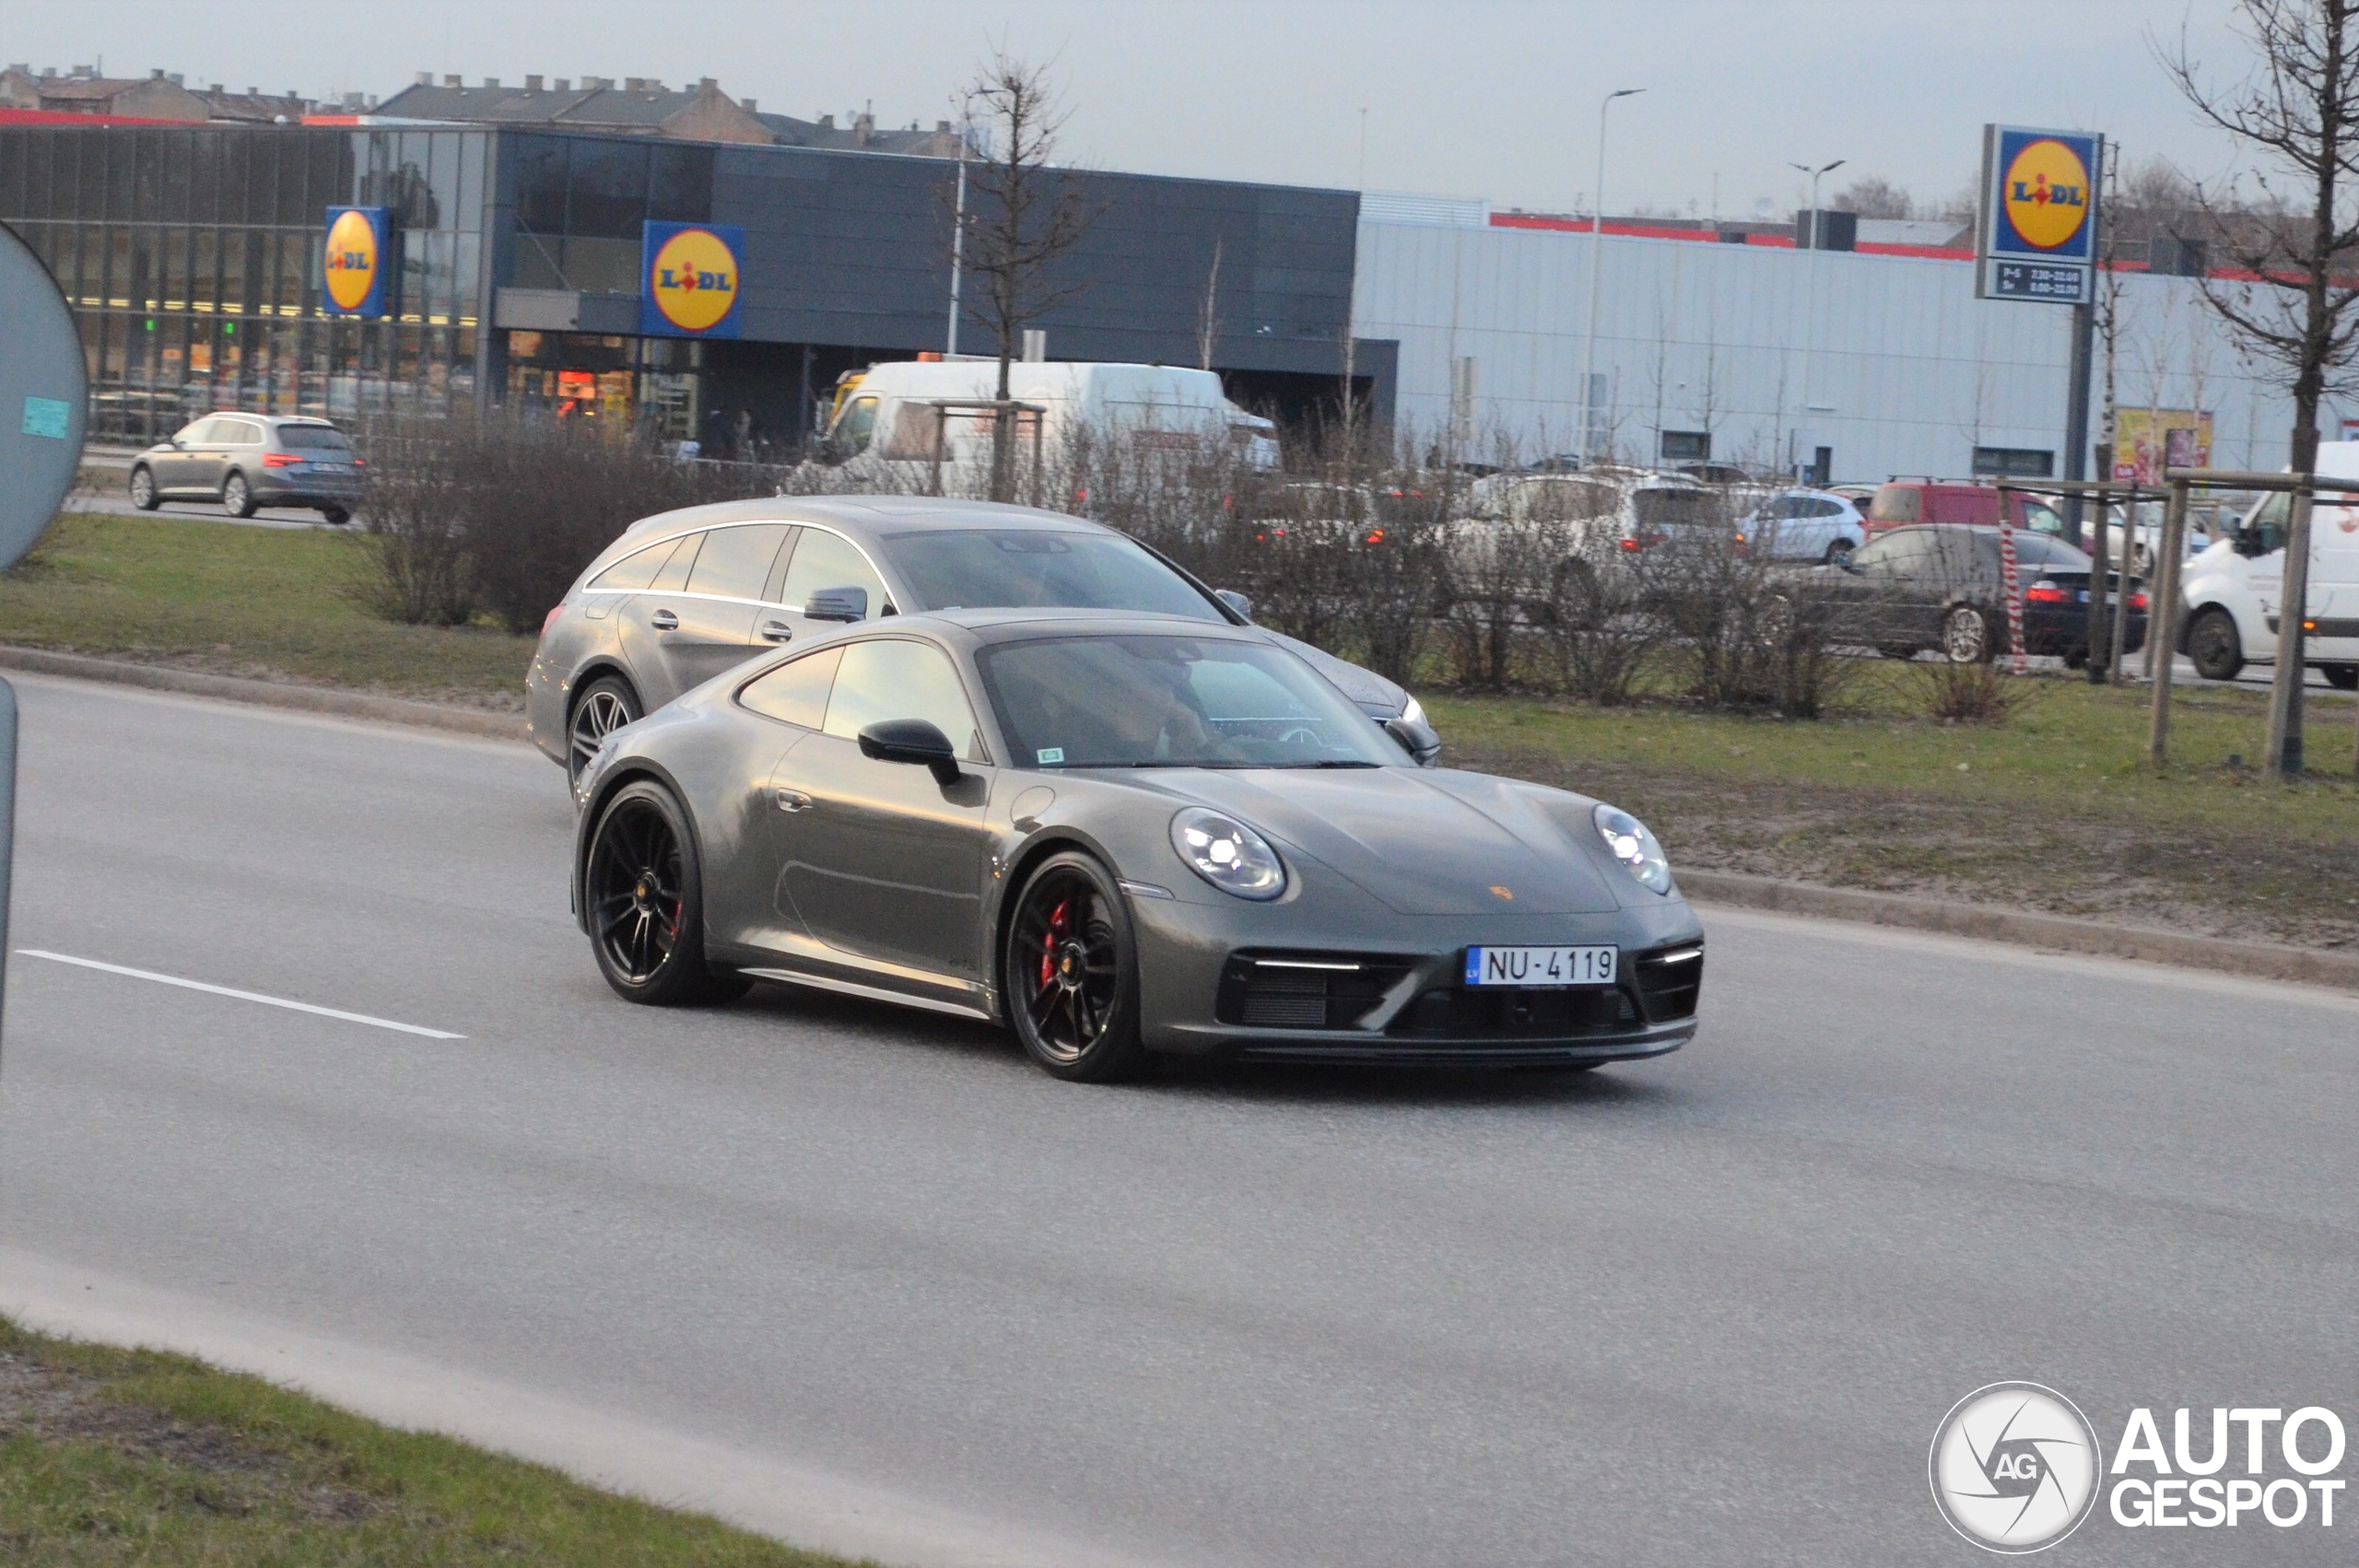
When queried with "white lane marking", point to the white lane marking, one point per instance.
{"points": [[242, 996]]}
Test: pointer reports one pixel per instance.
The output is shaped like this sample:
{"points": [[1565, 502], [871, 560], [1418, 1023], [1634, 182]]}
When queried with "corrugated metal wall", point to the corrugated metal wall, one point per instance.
{"points": [[1891, 361]]}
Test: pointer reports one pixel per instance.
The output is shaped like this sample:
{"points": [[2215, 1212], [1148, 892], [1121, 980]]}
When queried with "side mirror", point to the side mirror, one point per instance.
{"points": [[846, 605], [1421, 742], [1235, 601], [912, 741]]}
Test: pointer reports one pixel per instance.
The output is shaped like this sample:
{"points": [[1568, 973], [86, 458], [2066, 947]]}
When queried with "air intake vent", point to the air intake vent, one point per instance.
{"points": [[1303, 990]]}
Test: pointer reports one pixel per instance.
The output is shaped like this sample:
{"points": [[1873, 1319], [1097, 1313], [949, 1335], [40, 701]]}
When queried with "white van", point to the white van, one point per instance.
{"points": [[892, 422], [2235, 588]]}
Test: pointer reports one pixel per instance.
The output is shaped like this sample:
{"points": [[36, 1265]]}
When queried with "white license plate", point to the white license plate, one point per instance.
{"points": [[1538, 966]]}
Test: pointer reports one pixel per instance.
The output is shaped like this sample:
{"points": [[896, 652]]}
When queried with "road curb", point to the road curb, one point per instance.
{"points": [[269, 694], [2265, 960]]}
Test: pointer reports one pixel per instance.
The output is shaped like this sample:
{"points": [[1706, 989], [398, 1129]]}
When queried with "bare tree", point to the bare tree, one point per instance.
{"points": [[1022, 214], [1208, 319], [2297, 110], [1872, 195]]}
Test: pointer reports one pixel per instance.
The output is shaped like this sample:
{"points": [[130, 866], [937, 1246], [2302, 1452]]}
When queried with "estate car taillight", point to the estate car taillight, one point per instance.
{"points": [[2046, 592]]}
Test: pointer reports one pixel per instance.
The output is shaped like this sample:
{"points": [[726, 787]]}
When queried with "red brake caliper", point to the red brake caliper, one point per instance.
{"points": [[1048, 945]]}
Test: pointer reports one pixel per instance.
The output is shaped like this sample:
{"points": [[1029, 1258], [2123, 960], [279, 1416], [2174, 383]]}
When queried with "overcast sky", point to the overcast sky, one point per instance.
{"points": [[1496, 100]]}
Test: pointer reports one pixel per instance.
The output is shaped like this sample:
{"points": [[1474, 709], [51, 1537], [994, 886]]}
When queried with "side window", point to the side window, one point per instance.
{"points": [[797, 690], [198, 433], [893, 678], [2042, 519], [674, 574], [1823, 507], [736, 562], [241, 433], [2270, 518], [636, 570], [853, 431], [828, 560]]}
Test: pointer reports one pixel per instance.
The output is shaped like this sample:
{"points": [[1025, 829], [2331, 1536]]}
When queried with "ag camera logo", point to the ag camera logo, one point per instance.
{"points": [[2014, 1467]]}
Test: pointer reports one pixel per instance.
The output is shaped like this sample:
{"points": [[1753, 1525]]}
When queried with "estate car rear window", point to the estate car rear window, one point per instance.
{"points": [[996, 568], [312, 438]]}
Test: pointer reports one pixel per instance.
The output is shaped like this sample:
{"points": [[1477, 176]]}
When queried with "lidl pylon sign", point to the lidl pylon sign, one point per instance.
{"points": [[2036, 226]]}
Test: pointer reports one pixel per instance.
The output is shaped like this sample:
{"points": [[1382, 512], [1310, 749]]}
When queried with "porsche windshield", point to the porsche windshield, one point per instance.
{"points": [[1173, 702], [1004, 568]]}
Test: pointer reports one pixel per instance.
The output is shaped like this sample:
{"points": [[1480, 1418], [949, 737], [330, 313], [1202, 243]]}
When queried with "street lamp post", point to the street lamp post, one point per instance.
{"points": [[1810, 305], [1596, 221]]}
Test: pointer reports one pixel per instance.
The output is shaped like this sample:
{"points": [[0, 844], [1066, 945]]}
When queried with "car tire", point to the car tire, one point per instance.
{"points": [[643, 896], [1838, 551], [2341, 677], [1965, 635], [337, 516], [2214, 646], [144, 493], [1069, 973], [237, 496], [1900, 650], [601, 707]]}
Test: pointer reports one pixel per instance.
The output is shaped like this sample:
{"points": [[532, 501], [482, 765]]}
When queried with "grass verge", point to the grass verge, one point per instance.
{"points": [[2055, 809], [128, 1456], [230, 598]]}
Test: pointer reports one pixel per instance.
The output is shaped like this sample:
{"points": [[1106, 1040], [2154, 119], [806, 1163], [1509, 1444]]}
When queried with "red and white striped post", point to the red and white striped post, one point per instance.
{"points": [[2022, 666]]}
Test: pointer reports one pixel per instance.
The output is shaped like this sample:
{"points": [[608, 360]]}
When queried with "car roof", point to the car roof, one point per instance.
{"points": [[877, 516], [1026, 622]]}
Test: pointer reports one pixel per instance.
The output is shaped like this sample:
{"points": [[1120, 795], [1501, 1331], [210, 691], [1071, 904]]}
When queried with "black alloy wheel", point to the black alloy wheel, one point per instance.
{"points": [[143, 489], [1070, 976], [2214, 646], [646, 902], [1965, 635], [605, 705], [237, 496]]}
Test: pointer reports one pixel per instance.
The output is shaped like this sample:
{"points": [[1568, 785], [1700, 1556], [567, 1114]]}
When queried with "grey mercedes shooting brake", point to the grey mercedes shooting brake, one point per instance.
{"points": [[685, 595]]}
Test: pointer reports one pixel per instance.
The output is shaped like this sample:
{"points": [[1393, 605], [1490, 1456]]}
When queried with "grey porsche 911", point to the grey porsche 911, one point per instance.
{"points": [[1120, 834]]}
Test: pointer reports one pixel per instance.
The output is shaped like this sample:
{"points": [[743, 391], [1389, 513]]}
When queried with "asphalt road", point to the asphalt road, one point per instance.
{"points": [[868, 1279]]}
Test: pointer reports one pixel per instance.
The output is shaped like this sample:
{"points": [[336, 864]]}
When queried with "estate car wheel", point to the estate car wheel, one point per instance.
{"points": [[646, 902], [142, 490], [236, 497], [1965, 635], [2341, 677], [337, 516], [605, 706], [2214, 646], [1071, 978], [1838, 552]]}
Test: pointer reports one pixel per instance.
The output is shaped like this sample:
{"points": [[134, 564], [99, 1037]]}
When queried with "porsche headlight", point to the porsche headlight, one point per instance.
{"points": [[1627, 840], [1227, 853]]}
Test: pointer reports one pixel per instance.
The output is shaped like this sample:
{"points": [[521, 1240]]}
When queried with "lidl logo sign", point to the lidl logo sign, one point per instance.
{"points": [[690, 279], [2047, 194], [356, 268]]}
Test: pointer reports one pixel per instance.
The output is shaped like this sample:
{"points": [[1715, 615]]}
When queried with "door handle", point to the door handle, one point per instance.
{"points": [[777, 631], [793, 801], [664, 621]]}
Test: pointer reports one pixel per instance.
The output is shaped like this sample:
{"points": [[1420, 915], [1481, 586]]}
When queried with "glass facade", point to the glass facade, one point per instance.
{"points": [[191, 259]]}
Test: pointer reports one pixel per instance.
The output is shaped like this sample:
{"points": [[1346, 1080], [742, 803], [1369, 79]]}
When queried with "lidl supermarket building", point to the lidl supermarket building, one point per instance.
{"points": [[498, 265]]}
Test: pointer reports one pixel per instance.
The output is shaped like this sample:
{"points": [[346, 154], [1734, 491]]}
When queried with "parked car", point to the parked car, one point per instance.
{"points": [[1943, 587], [1904, 501], [1803, 525], [247, 462], [2232, 596], [1617, 511], [1120, 834], [683, 596]]}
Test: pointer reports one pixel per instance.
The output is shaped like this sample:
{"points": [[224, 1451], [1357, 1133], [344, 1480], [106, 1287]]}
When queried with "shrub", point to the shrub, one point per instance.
{"points": [[1969, 694]]}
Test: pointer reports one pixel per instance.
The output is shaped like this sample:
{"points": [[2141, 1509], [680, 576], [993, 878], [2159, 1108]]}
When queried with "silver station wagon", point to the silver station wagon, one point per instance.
{"points": [[684, 596]]}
